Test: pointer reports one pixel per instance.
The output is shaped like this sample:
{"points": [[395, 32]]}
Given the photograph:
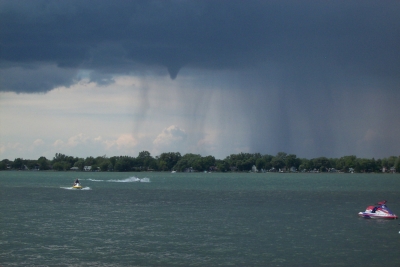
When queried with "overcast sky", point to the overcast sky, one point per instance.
{"points": [[93, 78]]}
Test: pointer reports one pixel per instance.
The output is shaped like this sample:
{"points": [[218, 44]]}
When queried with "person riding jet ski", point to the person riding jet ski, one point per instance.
{"points": [[380, 210]]}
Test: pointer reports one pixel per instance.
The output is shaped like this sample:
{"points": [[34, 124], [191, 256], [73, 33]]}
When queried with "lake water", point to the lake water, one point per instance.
{"points": [[196, 219]]}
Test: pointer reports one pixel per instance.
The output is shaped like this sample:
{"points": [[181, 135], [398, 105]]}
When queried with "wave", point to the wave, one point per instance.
{"points": [[71, 188], [127, 180]]}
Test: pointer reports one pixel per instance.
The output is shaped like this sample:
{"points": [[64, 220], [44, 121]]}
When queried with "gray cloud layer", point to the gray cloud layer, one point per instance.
{"points": [[118, 37], [331, 68]]}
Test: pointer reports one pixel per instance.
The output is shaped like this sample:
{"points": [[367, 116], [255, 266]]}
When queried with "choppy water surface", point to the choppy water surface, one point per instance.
{"points": [[164, 219]]}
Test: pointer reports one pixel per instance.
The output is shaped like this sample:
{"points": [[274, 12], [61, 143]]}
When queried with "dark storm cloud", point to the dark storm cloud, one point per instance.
{"points": [[121, 37]]}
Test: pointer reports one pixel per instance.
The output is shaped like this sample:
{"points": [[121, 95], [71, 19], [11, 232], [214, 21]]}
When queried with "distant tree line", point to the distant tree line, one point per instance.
{"points": [[193, 162]]}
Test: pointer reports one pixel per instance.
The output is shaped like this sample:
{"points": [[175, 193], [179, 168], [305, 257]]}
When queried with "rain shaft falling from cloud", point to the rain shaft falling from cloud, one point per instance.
{"points": [[311, 78]]}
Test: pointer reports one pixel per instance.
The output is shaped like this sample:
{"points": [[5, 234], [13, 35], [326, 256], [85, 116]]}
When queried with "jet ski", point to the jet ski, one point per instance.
{"points": [[77, 186], [379, 211]]}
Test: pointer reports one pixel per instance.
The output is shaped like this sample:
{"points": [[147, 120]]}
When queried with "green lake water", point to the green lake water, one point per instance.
{"points": [[196, 219]]}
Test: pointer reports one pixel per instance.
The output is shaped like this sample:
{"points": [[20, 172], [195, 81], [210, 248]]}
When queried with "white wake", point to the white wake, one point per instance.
{"points": [[71, 188], [127, 180]]}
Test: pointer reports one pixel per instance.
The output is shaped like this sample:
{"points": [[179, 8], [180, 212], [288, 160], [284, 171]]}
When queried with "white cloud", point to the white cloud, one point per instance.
{"points": [[172, 138], [126, 140], [58, 143], [208, 145], [72, 141], [172, 134], [77, 139], [38, 142], [9, 147], [123, 142]]}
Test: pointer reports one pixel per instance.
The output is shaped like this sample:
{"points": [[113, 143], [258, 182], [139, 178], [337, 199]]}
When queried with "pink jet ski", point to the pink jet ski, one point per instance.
{"points": [[379, 211]]}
